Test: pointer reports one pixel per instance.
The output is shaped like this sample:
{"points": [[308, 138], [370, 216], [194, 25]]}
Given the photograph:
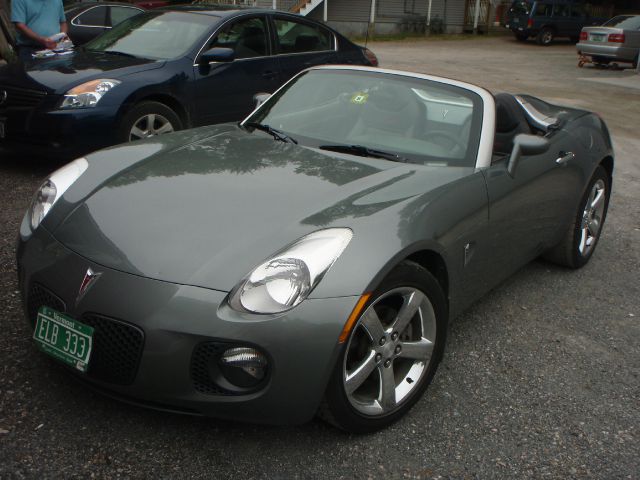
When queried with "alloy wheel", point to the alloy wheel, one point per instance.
{"points": [[150, 125], [592, 215]]}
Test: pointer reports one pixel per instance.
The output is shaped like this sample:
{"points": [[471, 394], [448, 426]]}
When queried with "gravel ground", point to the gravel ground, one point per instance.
{"points": [[540, 378]]}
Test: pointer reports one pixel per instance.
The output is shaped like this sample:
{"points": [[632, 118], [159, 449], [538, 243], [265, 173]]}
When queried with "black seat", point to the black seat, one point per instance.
{"points": [[510, 121]]}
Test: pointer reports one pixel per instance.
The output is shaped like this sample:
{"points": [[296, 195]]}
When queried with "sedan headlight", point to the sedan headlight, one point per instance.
{"points": [[88, 94], [53, 188], [288, 277]]}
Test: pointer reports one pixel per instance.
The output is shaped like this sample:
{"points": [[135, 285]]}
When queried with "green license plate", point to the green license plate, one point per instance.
{"points": [[64, 338], [598, 38]]}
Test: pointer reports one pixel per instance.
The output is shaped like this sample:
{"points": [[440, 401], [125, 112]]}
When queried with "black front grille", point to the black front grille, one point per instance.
{"points": [[39, 296], [15, 97], [117, 347], [204, 357]]}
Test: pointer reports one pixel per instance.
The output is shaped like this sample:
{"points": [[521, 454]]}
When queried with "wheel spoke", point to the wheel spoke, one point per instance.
{"points": [[408, 310], [387, 388], [594, 226], [151, 121], [357, 377], [137, 133], [583, 240], [420, 350], [597, 197], [166, 128], [372, 324]]}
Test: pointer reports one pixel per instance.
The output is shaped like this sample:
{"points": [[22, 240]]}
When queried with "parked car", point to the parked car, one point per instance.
{"points": [[617, 40], [87, 20], [308, 259], [161, 71], [548, 19]]}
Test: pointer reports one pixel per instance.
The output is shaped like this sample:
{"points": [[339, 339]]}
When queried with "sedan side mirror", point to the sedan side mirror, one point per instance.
{"points": [[526, 144], [217, 54], [260, 98]]}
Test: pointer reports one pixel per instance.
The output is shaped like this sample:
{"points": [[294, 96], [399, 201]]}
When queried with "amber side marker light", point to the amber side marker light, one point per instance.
{"points": [[353, 317]]}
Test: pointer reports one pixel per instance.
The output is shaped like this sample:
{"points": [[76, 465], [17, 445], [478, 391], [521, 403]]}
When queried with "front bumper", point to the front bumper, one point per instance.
{"points": [[63, 134], [613, 52], [175, 320]]}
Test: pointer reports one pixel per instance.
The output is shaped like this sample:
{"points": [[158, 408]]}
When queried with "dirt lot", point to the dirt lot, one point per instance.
{"points": [[540, 379]]}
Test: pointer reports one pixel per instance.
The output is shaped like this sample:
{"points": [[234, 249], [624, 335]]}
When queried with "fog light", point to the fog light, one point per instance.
{"points": [[243, 366]]}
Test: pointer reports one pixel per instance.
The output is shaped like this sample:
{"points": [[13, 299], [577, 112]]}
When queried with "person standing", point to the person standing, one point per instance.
{"points": [[35, 22]]}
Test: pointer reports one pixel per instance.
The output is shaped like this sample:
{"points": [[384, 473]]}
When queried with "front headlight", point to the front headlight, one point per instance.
{"points": [[53, 188], [288, 277], [88, 94]]}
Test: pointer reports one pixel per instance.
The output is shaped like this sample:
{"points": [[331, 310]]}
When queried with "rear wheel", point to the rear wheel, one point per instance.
{"points": [[392, 352], [148, 119], [582, 236], [545, 36]]}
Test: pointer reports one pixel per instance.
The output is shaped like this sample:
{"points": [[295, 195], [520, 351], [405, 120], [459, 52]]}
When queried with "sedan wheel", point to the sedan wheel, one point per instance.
{"points": [[592, 217], [148, 119], [392, 352], [150, 125]]}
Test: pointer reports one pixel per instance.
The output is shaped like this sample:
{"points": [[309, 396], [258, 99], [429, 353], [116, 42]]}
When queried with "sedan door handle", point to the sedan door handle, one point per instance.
{"points": [[564, 157]]}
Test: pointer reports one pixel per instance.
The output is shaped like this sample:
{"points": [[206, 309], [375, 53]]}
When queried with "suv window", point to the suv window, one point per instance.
{"points": [[561, 10], [248, 38], [94, 17], [578, 10], [521, 7], [297, 37], [543, 9]]}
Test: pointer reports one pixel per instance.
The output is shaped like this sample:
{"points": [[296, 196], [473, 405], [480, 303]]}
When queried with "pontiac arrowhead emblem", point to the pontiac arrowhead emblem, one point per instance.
{"points": [[89, 279]]}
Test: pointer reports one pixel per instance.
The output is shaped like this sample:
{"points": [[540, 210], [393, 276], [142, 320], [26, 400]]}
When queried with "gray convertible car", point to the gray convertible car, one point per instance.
{"points": [[307, 260]]}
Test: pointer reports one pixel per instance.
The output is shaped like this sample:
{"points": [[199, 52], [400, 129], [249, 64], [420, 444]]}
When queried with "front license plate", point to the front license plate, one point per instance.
{"points": [[64, 338]]}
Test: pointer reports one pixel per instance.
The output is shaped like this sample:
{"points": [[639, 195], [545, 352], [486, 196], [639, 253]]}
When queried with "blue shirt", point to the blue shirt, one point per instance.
{"points": [[42, 16]]}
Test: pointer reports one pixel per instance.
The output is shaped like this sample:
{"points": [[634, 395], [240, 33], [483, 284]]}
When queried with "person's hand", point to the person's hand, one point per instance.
{"points": [[50, 44]]}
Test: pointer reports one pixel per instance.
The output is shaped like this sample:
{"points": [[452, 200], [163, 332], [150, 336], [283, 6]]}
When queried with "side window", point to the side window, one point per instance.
{"points": [[94, 17], [248, 38], [119, 14], [297, 37], [578, 10], [543, 9], [561, 10]]}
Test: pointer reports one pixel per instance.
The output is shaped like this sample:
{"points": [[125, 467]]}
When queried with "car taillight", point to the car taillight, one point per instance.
{"points": [[530, 23], [583, 36], [616, 37], [371, 57]]}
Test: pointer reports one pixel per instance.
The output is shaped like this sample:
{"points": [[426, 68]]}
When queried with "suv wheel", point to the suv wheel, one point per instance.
{"points": [[545, 37]]}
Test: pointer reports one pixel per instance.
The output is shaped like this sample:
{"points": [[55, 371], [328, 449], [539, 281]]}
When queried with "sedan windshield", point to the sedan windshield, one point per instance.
{"points": [[155, 35], [378, 115], [625, 22]]}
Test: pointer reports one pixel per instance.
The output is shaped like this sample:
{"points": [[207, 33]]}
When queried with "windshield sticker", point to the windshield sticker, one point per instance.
{"points": [[360, 98]]}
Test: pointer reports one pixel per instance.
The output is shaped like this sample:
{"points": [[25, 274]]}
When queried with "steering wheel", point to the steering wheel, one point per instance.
{"points": [[451, 142]]}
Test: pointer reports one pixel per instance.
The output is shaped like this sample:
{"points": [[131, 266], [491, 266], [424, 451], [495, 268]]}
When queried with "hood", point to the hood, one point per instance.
{"points": [[206, 213], [58, 74]]}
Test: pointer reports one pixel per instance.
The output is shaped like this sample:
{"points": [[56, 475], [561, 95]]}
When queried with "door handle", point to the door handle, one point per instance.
{"points": [[564, 157]]}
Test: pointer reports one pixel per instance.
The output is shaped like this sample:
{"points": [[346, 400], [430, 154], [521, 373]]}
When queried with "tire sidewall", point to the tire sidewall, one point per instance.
{"points": [[407, 274], [145, 108]]}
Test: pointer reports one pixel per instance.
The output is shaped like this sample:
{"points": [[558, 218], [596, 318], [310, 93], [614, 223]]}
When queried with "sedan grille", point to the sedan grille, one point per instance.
{"points": [[14, 97], [117, 346]]}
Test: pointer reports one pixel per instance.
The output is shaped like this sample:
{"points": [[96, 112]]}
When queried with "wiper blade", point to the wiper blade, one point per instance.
{"points": [[114, 52], [363, 151], [277, 134]]}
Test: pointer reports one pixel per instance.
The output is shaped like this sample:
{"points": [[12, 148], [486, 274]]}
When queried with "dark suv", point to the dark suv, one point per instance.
{"points": [[548, 19]]}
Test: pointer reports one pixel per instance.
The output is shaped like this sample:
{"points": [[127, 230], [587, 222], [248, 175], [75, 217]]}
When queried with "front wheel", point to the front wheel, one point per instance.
{"points": [[148, 119], [580, 241], [392, 352]]}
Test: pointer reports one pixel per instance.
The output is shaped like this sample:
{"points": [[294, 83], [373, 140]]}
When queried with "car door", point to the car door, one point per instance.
{"points": [[302, 44], [223, 92], [89, 24], [528, 212]]}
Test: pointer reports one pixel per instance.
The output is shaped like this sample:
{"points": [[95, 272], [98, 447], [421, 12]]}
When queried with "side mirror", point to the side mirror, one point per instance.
{"points": [[217, 54], [526, 144], [260, 98]]}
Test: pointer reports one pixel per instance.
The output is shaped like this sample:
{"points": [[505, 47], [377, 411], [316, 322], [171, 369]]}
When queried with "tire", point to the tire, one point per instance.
{"points": [[581, 239], [521, 37], [407, 358], [545, 36], [148, 119]]}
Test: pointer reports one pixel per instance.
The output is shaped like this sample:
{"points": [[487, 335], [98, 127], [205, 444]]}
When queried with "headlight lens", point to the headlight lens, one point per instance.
{"points": [[53, 188], [288, 277], [88, 94]]}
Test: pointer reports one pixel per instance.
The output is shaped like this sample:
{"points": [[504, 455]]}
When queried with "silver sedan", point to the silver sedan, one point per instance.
{"points": [[618, 40]]}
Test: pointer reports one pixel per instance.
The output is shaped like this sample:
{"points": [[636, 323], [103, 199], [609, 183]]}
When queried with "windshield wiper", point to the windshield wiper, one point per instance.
{"points": [[363, 151], [114, 52], [277, 134]]}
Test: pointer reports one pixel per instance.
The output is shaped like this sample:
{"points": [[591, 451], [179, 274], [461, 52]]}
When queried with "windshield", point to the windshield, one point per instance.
{"points": [[626, 22], [155, 35], [420, 121]]}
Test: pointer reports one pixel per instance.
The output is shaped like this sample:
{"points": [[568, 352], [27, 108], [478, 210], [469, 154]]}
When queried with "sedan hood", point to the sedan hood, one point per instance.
{"points": [[207, 213], [59, 74]]}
